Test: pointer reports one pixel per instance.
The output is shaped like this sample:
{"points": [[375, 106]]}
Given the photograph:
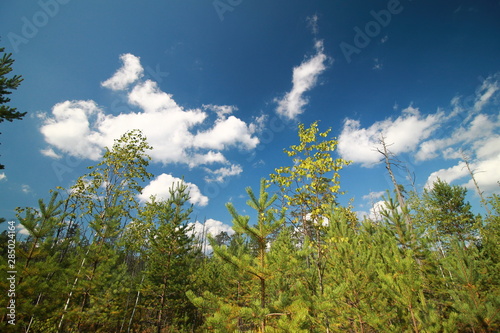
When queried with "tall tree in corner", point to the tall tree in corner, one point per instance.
{"points": [[6, 86]]}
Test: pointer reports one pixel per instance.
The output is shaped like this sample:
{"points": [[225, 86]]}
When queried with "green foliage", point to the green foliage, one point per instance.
{"points": [[38, 260], [267, 224], [7, 84], [103, 202], [97, 260], [171, 259], [447, 211], [312, 183], [489, 249]]}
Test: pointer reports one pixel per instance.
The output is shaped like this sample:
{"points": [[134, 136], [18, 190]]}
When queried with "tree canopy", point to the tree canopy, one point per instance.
{"points": [[7, 86], [97, 260]]}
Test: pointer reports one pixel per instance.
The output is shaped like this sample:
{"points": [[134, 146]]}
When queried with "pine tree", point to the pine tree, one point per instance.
{"points": [[350, 299], [291, 301], [490, 238], [106, 201], [269, 221], [224, 291], [170, 260], [309, 188], [40, 266], [447, 212], [477, 305], [6, 86], [409, 274]]}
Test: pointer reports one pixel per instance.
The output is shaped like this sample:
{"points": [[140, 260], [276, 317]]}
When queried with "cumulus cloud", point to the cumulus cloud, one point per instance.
{"points": [[403, 134], [477, 131], [70, 130], [468, 126], [130, 72], [177, 135], [376, 204], [226, 133], [488, 148], [448, 174], [151, 99], [210, 227], [442, 134], [377, 209], [304, 79], [220, 175], [375, 213], [160, 186], [487, 174], [221, 110], [475, 135], [210, 157]]}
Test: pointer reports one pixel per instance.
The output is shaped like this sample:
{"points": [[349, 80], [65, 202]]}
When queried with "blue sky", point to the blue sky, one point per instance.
{"points": [[219, 88]]}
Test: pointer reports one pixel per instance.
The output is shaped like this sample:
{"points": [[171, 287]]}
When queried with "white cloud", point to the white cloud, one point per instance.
{"points": [[210, 157], [210, 227], [259, 123], [377, 65], [160, 186], [448, 174], [312, 22], [489, 147], [70, 130], [375, 213], [403, 134], [221, 174], [484, 160], [130, 72], [226, 133], [377, 209], [26, 189], [151, 99], [221, 110], [3, 176], [49, 152], [441, 134], [82, 128], [485, 170], [484, 94], [473, 132], [304, 79], [21, 229], [429, 149], [361, 214], [373, 195], [325, 221], [487, 175]]}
